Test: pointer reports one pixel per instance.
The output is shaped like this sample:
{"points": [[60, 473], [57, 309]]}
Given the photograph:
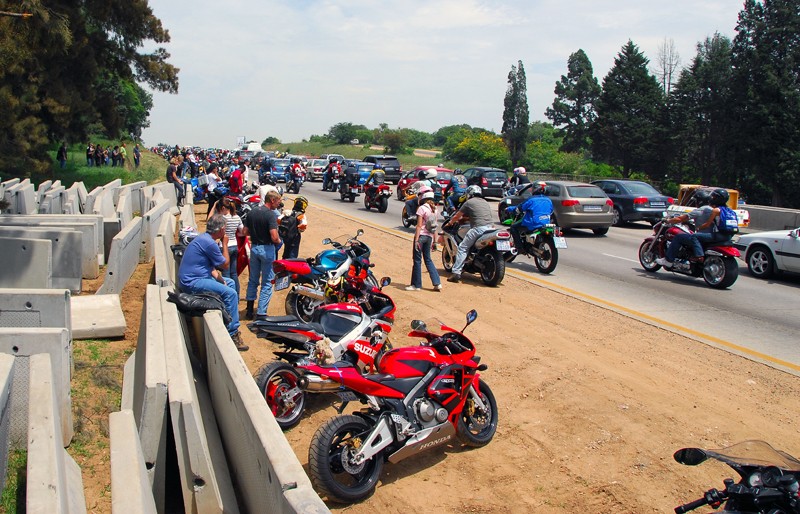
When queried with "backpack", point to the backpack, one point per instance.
{"points": [[727, 222], [287, 228]]}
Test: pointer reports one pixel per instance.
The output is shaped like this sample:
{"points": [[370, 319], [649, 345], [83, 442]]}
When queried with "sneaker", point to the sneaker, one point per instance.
{"points": [[237, 340], [438, 287], [412, 288], [455, 277], [663, 262]]}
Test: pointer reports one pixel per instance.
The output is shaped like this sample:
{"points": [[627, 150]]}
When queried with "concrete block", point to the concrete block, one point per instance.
{"points": [[91, 200], [23, 343], [53, 201], [111, 227], [66, 246], [104, 204], [164, 260], [187, 216], [54, 483], [97, 316], [268, 476], [35, 308], [42, 189], [134, 190], [72, 203], [10, 182], [124, 209], [80, 190], [128, 377], [123, 258], [27, 263], [204, 475], [6, 378], [25, 200], [130, 487], [150, 392], [151, 221], [10, 197]]}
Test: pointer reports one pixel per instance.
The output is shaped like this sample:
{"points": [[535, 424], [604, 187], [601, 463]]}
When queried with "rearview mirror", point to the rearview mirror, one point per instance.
{"points": [[359, 232], [795, 233], [690, 456], [326, 241], [419, 325], [385, 281], [471, 316]]}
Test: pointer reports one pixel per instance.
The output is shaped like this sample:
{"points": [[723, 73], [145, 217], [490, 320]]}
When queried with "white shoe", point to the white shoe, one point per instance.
{"points": [[661, 261], [437, 288], [412, 288]]}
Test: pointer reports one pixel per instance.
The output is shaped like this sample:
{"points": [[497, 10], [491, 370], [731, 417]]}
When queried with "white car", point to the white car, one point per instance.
{"points": [[768, 252]]}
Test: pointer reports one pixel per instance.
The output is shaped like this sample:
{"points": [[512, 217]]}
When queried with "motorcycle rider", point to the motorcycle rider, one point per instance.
{"points": [[519, 178], [333, 169], [458, 186], [479, 214], [350, 178], [537, 211], [377, 177], [704, 217]]}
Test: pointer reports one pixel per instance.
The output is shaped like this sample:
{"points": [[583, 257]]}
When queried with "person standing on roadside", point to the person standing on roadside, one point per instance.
{"points": [[233, 227], [61, 156], [90, 155], [262, 228], [123, 155], [137, 155], [423, 239], [175, 180]]}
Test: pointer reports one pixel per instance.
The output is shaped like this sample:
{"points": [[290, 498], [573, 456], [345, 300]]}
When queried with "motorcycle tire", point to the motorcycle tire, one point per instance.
{"points": [[449, 252], [549, 259], [383, 204], [404, 217], [720, 272], [277, 382], [300, 306], [494, 268], [502, 215], [648, 259], [330, 469], [366, 203], [477, 428], [352, 198]]}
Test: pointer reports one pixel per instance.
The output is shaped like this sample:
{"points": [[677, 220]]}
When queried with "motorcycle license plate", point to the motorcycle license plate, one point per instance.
{"points": [[354, 190], [281, 282], [336, 181], [560, 242], [503, 246]]}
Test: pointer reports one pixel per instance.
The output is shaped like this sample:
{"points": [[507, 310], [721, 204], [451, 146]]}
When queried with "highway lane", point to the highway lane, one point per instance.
{"points": [[756, 318]]}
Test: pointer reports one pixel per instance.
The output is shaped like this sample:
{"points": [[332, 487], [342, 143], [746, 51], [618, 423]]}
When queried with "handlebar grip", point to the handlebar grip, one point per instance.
{"points": [[691, 506]]}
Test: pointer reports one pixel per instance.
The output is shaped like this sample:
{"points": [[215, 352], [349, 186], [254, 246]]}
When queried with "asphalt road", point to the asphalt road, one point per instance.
{"points": [[759, 319]]}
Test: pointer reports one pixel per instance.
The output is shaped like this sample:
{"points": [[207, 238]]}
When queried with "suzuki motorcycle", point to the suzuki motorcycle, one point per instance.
{"points": [[339, 334], [378, 197], [719, 268], [540, 244], [311, 276], [768, 479], [487, 257], [421, 397]]}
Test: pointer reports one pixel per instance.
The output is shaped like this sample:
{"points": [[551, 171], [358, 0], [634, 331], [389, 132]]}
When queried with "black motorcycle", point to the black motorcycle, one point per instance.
{"points": [[768, 481]]}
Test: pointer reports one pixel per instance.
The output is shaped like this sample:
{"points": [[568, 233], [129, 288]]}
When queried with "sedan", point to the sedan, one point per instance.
{"points": [[278, 169], [443, 176], [769, 252], [315, 168], [580, 205], [634, 200]]}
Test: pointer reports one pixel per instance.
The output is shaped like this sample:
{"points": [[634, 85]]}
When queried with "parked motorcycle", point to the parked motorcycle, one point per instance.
{"points": [[768, 481], [420, 398], [487, 257], [719, 268], [311, 276], [339, 334], [541, 244], [378, 197]]}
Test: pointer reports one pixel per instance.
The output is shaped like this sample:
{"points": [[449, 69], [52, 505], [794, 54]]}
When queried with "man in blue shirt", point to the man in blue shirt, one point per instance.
{"points": [[537, 211], [199, 272]]}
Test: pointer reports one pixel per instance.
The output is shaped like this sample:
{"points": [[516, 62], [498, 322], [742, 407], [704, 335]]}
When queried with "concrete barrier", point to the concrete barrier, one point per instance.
{"points": [[79, 190], [204, 475], [772, 218], [97, 316], [104, 204], [54, 483], [53, 201], [133, 189], [27, 263], [35, 308], [130, 487], [91, 200], [123, 258], [164, 260], [23, 343], [124, 209], [66, 247], [150, 392], [6, 377], [187, 216], [267, 474], [23, 200], [151, 221]]}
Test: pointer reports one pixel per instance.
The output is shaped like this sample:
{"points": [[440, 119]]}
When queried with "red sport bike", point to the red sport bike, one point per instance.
{"points": [[422, 397]]}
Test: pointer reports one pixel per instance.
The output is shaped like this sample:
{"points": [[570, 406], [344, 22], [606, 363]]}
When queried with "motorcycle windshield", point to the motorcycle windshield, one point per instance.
{"points": [[754, 453]]}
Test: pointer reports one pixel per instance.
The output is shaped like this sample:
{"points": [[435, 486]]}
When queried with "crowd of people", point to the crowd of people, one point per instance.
{"points": [[98, 155]]}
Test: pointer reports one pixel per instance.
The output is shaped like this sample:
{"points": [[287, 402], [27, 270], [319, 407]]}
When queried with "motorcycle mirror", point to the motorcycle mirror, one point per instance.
{"points": [[326, 241], [359, 232], [385, 281], [419, 325], [471, 316], [690, 456]]}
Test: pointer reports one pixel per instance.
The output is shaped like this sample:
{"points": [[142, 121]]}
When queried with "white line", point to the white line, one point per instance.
{"points": [[618, 257]]}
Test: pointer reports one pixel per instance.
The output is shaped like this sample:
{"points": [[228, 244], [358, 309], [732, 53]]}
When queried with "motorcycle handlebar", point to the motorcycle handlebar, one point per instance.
{"points": [[691, 506]]}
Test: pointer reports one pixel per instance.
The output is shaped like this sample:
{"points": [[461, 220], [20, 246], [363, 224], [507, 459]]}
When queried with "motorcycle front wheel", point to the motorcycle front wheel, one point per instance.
{"points": [[476, 427], [549, 255], [330, 460], [720, 272], [494, 268], [301, 306], [647, 258], [502, 215], [404, 217], [449, 251], [277, 382]]}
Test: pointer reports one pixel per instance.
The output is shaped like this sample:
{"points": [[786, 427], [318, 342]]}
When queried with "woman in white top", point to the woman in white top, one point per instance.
{"points": [[233, 227], [423, 239]]}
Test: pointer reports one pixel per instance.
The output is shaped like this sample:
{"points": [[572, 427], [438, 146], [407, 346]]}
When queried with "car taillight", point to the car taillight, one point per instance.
{"points": [[639, 201], [670, 200], [484, 182], [569, 203], [610, 203]]}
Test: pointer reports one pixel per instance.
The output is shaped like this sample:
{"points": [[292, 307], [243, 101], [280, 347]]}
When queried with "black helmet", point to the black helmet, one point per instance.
{"points": [[718, 197], [332, 159], [701, 197]]}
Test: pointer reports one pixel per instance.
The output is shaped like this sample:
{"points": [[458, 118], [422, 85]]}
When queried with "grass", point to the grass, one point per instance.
{"points": [[14, 491]]}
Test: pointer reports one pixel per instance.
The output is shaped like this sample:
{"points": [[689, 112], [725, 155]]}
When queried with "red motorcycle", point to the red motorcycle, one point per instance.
{"points": [[377, 196], [719, 267], [420, 398]]}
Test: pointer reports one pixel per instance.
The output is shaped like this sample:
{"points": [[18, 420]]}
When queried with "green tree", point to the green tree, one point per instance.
{"points": [[573, 108], [344, 132], [394, 141], [766, 60], [629, 112], [55, 73], [482, 149], [440, 136], [271, 140], [515, 114]]}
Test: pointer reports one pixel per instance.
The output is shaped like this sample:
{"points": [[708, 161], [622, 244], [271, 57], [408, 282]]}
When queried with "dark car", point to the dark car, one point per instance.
{"points": [[389, 163], [634, 200], [443, 176], [491, 180]]}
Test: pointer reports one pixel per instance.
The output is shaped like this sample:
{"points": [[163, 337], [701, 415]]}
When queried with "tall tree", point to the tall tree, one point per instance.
{"points": [[573, 108], [629, 112], [344, 132], [515, 114], [668, 63], [55, 71], [766, 77]]}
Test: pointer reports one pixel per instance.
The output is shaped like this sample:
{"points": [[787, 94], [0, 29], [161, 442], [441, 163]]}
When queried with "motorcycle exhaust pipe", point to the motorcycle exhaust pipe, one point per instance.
{"points": [[316, 294], [317, 384]]}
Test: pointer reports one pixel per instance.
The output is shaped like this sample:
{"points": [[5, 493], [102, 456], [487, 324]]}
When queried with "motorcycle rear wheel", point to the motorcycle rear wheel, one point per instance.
{"points": [[404, 217], [329, 465], [647, 258], [277, 382], [549, 259], [720, 272], [494, 268], [383, 204], [301, 306], [477, 428], [502, 215]]}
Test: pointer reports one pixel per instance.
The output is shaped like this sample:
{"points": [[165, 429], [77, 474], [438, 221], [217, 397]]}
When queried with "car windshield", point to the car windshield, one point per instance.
{"points": [[586, 191], [280, 162], [364, 168], [387, 162], [641, 188]]}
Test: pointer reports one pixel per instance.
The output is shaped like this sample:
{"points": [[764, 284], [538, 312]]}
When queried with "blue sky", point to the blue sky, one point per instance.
{"points": [[293, 68]]}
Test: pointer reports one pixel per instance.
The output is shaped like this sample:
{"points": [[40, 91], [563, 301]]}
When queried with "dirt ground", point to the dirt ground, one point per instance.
{"points": [[592, 404]]}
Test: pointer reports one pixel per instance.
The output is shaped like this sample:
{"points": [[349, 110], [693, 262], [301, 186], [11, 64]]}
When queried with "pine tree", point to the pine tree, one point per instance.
{"points": [[515, 114], [573, 107]]}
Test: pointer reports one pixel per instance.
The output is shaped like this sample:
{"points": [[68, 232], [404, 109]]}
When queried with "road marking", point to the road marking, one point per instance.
{"points": [[623, 258]]}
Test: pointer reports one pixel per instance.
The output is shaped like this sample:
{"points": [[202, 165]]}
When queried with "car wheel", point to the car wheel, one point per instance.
{"points": [[600, 231], [617, 219], [760, 262]]}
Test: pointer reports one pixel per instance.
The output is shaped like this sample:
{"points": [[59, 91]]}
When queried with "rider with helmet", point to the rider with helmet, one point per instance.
{"points": [[479, 214], [377, 177], [519, 177], [426, 177], [333, 169], [537, 211], [704, 218], [458, 186]]}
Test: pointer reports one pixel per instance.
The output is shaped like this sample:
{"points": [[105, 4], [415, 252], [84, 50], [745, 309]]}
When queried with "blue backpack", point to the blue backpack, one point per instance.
{"points": [[727, 222]]}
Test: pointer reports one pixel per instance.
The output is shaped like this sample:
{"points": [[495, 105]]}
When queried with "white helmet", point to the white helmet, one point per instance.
{"points": [[474, 190], [422, 190], [430, 173], [520, 171], [426, 195]]}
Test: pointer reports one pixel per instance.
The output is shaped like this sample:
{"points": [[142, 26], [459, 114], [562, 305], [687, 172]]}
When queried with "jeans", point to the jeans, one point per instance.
{"points": [[179, 192], [463, 248], [228, 294], [424, 253], [680, 240], [261, 259], [292, 249], [232, 272]]}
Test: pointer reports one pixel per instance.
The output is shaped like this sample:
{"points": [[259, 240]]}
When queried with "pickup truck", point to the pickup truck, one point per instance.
{"points": [[686, 202]]}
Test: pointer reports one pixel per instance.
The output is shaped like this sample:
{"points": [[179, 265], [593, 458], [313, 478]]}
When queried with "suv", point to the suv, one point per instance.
{"points": [[492, 180], [389, 163]]}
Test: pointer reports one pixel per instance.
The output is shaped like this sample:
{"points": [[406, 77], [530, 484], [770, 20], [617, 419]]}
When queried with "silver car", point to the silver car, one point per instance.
{"points": [[315, 167], [769, 252], [580, 205]]}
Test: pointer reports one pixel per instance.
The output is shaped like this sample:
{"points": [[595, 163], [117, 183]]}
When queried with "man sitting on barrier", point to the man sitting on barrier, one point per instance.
{"points": [[199, 272]]}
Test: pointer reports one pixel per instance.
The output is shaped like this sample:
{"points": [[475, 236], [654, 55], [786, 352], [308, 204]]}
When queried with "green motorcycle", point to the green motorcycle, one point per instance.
{"points": [[540, 244]]}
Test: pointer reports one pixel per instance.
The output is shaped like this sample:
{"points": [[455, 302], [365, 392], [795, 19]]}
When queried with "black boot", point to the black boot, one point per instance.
{"points": [[248, 314]]}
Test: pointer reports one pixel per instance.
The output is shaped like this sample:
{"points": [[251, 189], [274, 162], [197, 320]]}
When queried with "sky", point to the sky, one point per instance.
{"points": [[293, 68]]}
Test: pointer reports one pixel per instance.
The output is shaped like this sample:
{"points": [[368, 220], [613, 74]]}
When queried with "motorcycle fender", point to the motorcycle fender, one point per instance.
{"points": [[723, 251], [423, 440]]}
